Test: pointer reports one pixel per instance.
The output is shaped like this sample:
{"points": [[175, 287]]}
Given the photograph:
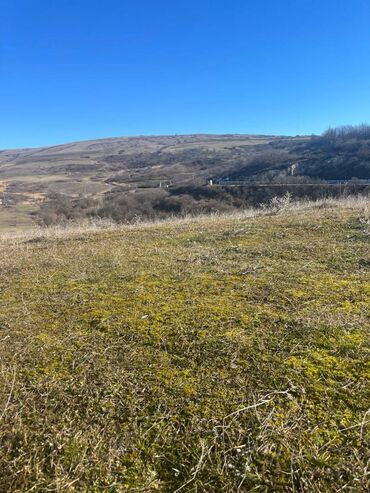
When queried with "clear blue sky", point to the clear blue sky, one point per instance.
{"points": [[82, 69]]}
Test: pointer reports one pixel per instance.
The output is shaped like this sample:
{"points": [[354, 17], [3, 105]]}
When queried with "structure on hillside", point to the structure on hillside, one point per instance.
{"points": [[292, 168]]}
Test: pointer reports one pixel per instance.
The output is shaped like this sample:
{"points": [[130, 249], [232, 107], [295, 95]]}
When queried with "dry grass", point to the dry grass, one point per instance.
{"points": [[218, 354]]}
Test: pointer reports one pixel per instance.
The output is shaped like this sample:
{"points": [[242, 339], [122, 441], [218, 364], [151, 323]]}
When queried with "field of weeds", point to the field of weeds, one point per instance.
{"points": [[220, 354]]}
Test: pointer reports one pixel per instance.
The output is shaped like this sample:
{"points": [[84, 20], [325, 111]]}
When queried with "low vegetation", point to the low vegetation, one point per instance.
{"points": [[222, 353], [159, 203]]}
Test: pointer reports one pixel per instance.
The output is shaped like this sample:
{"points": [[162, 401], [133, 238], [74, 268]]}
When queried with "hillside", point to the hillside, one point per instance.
{"points": [[153, 177], [224, 353], [83, 170]]}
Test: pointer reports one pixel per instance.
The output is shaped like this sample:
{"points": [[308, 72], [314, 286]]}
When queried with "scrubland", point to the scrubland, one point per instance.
{"points": [[213, 354], [122, 179]]}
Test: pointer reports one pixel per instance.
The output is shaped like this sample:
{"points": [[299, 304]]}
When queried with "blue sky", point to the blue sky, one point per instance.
{"points": [[83, 69]]}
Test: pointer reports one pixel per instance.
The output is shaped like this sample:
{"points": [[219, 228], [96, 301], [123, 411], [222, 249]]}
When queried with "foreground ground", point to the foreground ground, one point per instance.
{"points": [[216, 355]]}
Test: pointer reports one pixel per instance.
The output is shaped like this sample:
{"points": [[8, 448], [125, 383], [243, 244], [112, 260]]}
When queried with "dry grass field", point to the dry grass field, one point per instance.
{"points": [[225, 353]]}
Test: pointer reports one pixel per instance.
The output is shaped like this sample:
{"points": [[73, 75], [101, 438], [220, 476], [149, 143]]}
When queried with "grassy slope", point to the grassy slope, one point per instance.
{"points": [[212, 355]]}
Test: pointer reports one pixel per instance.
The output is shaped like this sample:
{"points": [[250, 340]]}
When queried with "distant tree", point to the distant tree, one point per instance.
{"points": [[347, 132]]}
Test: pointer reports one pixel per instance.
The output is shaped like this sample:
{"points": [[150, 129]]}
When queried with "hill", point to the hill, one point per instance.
{"points": [[81, 171], [223, 353], [153, 177]]}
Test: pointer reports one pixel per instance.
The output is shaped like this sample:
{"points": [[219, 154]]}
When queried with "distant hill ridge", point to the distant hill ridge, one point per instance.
{"points": [[153, 176]]}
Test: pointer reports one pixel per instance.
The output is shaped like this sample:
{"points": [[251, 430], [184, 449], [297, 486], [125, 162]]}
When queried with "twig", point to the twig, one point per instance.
{"points": [[197, 468], [9, 397]]}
